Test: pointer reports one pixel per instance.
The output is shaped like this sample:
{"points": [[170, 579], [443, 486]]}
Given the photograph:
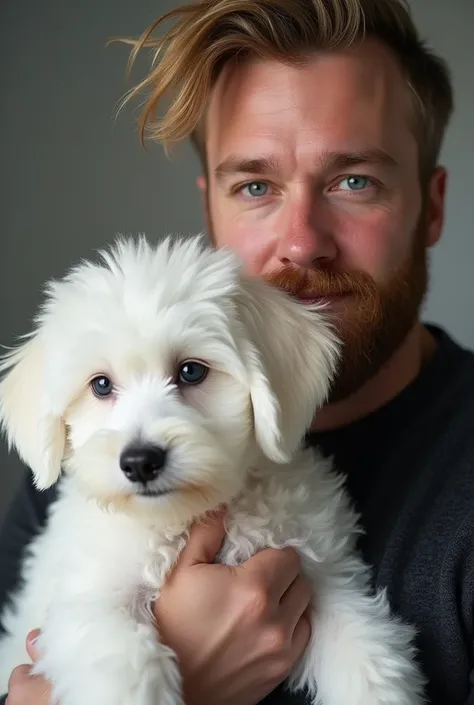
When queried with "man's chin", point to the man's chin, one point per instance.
{"points": [[365, 357]]}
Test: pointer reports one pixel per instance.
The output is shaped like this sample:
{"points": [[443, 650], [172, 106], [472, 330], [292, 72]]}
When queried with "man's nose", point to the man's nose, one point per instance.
{"points": [[306, 238]]}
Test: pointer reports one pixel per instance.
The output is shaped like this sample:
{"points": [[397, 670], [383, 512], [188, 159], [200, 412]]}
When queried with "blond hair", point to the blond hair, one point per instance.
{"points": [[205, 34]]}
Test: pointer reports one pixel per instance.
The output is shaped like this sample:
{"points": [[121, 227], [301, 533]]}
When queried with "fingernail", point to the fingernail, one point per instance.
{"points": [[33, 637]]}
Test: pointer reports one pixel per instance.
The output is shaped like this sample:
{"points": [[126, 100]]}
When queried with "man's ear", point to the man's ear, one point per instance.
{"points": [[201, 182], [29, 422], [291, 362], [435, 206]]}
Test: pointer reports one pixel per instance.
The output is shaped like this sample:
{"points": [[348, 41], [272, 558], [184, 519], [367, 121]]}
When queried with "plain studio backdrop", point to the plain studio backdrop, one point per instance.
{"points": [[72, 176]]}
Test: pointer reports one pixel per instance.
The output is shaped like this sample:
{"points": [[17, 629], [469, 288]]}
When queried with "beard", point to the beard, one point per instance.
{"points": [[379, 316], [375, 318]]}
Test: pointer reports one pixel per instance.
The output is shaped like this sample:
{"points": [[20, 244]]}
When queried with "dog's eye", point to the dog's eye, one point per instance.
{"points": [[192, 372], [102, 386]]}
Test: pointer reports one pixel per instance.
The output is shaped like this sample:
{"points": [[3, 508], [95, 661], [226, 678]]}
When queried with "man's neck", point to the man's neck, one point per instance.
{"points": [[402, 368]]}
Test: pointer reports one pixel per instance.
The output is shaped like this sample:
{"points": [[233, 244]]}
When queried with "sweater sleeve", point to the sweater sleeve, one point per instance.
{"points": [[23, 520], [451, 633]]}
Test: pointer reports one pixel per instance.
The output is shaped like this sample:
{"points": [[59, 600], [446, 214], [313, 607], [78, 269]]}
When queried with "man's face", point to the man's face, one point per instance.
{"points": [[313, 179]]}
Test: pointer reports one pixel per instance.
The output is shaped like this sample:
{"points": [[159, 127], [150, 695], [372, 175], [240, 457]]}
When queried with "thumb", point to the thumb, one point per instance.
{"points": [[205, 539], [33, 652]]}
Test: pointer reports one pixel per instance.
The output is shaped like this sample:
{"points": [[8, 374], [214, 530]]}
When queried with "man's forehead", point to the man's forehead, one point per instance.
{"points": [[338, 96]]}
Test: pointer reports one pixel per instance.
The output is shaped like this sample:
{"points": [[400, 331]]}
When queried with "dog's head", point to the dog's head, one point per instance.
{"points": [[155, 377]]}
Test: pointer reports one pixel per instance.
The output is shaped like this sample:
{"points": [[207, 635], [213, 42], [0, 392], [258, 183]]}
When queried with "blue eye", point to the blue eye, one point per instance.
{"points": [[192, 372], [356, 183], [257, 188], [102, 386]]}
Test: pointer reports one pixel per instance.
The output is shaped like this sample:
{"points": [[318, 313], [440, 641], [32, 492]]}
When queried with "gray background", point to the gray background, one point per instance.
{"points": [[72, 176]]}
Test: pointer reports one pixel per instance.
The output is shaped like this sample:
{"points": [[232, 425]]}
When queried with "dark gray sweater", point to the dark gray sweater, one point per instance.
{"points": [[410, 470]]}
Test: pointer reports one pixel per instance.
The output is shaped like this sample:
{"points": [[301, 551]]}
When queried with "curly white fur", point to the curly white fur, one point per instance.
{"points": [[90, 577]]}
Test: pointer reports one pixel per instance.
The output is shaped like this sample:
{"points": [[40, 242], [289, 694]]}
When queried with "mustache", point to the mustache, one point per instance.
{"points": [[323, 282]]}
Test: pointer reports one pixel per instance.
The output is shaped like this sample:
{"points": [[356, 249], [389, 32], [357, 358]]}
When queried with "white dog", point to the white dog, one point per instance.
{"points": [[166, 383]]}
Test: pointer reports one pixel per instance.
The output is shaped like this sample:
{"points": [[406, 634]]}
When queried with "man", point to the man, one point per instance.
{"points": [[320, 147]]}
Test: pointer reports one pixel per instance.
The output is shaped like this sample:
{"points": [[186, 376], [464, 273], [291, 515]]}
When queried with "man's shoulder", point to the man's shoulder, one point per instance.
{"points": [[443, 431], [448, 382], [451, 355], [428, 562], [433, 460]]}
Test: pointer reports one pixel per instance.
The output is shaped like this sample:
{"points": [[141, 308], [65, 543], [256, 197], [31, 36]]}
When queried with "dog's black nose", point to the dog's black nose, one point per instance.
{"points": [[142, 463]]}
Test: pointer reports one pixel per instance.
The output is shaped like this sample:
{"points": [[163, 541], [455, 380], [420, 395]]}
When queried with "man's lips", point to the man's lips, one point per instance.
{"points": [[314, 297]]}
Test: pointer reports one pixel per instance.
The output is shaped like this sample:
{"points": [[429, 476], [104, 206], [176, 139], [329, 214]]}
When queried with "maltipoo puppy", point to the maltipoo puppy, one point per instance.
{"points": [[161, 383]]}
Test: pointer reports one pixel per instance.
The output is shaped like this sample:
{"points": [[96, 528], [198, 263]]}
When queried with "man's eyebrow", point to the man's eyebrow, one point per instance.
{"points": [[246, 165], [265, 165], [373, 155]]}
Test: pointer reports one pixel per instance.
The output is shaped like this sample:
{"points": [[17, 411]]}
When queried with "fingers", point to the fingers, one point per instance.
{"points": [[205, 540], [301, 637], [277, 567], [18, 676], [295, 601], [27, 689]]}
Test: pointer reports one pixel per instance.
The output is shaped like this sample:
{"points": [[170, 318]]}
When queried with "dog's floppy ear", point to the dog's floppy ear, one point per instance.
{"points": [[31, 425], [291, 360]]}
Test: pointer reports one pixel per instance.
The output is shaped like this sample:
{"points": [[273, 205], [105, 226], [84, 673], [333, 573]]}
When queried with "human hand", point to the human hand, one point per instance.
{"points": [[24, 688], [237, 631]]}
